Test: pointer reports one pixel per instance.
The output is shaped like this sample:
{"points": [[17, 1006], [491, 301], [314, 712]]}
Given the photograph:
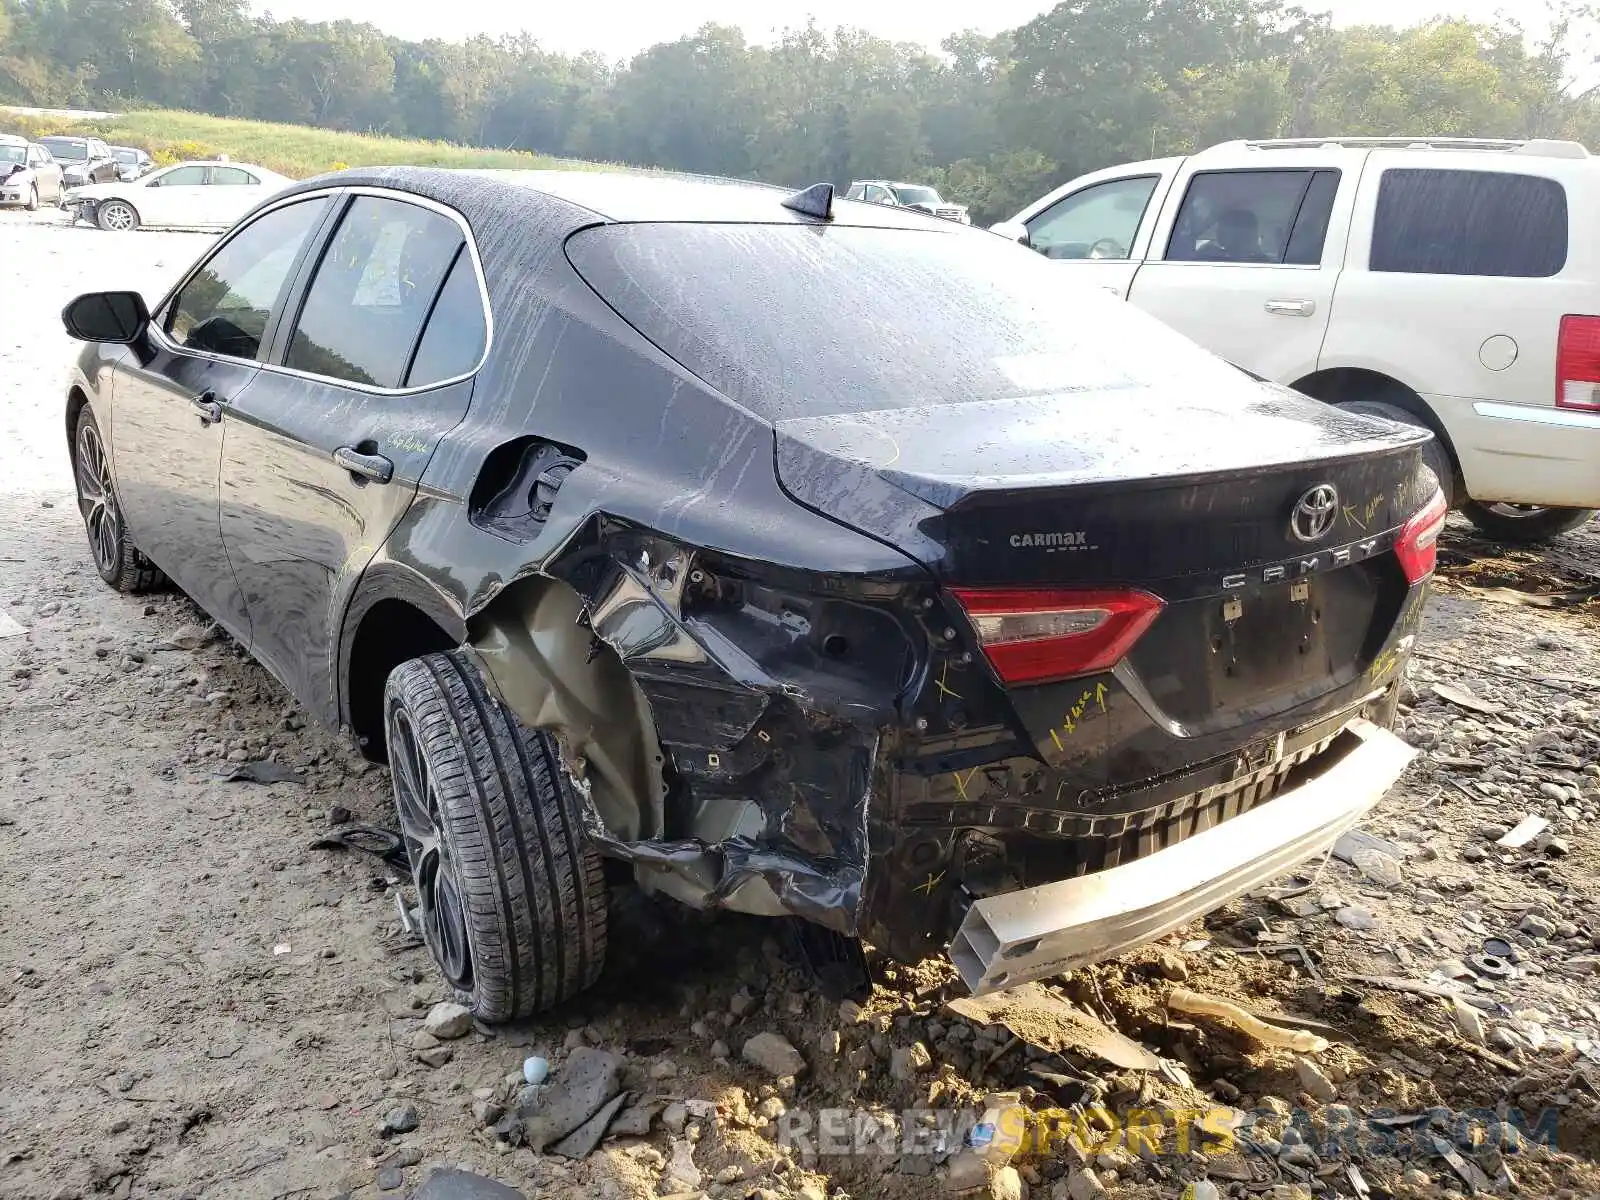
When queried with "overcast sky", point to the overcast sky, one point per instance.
{"points": [[620, 28]]}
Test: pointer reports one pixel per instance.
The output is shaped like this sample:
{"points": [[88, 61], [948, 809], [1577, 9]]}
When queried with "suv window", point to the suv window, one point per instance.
{"points": [[453, 342], [180, 177], [1254, 217], [372, 291], [225, 306], [1099, 221], [1434, 222], [231, 175]]}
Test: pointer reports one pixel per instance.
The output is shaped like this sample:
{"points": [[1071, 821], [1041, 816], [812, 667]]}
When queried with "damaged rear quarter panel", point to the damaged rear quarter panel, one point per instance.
{"points": [[754, 795]]}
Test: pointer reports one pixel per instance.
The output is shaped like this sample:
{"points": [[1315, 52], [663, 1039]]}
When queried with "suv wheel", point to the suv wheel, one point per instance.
{"points": [[1434, 453], [115, 556], [513, 899], [117, 216], [1524, 523]]}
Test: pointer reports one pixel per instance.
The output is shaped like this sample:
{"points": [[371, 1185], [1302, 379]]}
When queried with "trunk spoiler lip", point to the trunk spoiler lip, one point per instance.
{"points": [[889, 442]]}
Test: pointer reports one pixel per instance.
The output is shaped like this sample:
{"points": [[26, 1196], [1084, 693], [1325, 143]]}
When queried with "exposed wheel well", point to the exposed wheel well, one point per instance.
{"points": [[1339, 384], [391, 632]]}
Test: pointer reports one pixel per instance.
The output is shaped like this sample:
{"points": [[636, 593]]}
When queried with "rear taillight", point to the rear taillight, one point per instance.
{"points": [[1034, 636], [1578, 363], [1417, 547]]}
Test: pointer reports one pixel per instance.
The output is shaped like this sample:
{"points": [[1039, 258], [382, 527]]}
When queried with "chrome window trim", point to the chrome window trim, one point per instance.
{"points": [[159, 335]]}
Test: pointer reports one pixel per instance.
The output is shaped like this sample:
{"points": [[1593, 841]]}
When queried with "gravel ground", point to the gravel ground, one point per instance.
{"points": [[193, 1001]]}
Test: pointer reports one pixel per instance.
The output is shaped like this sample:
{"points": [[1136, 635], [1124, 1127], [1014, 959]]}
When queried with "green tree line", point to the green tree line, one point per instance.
{"points": [[993, 120]]}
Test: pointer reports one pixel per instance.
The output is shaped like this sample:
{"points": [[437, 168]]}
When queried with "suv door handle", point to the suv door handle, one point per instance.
{"points": [[1291, 308], [365, 466], [205, 404]]}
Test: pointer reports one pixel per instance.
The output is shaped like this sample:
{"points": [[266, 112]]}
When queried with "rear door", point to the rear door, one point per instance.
{"points": [[229, 193], [322, 457], [1247, 260], [1101, 231]]}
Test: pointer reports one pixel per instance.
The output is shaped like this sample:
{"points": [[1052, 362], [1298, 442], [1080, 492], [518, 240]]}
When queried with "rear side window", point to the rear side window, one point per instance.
{"points": [[225, 306], [453, 342], [1262, 217], [1432, 222], [234, 175], [372, 291]]}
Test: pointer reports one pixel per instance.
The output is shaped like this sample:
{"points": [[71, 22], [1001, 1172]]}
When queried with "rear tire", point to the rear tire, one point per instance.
{"points": [[513, 898], [117, 216], [1435, 454], [116, 558], [1524, 524]]}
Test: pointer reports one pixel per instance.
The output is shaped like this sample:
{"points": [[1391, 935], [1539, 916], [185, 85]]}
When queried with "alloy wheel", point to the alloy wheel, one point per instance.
{"points": [[97, 501], [439, 890], [116, 217]]}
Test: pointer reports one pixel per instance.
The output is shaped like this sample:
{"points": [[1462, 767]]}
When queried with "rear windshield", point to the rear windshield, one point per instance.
{"points": [[807, 320]]}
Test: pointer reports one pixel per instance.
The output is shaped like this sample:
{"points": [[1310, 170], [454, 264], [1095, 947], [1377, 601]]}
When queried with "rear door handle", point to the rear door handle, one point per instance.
{"points": [[1291, 308], [205, 404], [365, 466]]}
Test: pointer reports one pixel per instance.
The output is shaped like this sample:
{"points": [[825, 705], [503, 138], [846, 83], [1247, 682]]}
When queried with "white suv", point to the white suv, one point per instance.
{"points": [[1447, 282]]}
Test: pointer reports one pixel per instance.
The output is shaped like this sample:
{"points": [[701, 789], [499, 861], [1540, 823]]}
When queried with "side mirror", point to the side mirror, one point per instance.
{"points": [[116, 317], [1016, 231]]}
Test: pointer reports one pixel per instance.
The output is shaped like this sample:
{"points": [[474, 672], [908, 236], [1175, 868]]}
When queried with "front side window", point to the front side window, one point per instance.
{"points": [[232, 175], [180, 177], [1098, 222], [1253, 217], [1433, 222], [372, 291], [855, 193], [226, 305]]}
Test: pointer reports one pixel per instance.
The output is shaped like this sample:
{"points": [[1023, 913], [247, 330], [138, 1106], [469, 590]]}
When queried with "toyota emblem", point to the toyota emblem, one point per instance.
{"points": [[1314, 513]]}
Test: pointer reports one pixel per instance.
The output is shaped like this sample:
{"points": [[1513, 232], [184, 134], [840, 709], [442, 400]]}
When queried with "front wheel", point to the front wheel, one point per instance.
{"points": [[513, 899], [115, 556], [1524, 524], [33, 198], [117, 216]]}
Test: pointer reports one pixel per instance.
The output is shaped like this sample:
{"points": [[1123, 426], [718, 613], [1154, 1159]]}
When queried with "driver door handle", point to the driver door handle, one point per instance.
{"points": [[366, 466], [1291, 308], [206, 406]]}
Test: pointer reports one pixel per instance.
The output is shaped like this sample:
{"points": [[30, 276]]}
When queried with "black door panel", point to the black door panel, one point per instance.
{"points": [[167, 457], [299, 527]]}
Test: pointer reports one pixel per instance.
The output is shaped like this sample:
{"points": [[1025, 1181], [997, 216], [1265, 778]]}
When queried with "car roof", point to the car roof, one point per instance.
{"points": [[629, 196], [12, 139]]}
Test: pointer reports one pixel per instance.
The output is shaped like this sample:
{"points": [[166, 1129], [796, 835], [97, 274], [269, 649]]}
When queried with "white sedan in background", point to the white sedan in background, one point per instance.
{"points": [[186, 195]]}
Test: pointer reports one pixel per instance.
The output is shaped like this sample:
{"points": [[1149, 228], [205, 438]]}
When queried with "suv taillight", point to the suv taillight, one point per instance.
{"points": [[1578, 363], [1417, 547], [1035, 635]]}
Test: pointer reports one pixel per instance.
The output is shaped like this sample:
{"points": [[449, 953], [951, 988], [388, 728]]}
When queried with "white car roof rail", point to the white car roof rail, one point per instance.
{"points": [[1542, 147]]}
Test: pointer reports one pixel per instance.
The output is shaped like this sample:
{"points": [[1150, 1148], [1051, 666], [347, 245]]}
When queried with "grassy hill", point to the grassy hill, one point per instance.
{"points": [[298, 151]]}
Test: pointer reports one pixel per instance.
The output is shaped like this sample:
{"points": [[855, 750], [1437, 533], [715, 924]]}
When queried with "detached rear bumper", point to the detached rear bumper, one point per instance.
{"points": [[1024, 935]]}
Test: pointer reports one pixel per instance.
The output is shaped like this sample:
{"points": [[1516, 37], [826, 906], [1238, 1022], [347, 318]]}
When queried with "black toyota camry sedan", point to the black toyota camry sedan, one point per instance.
{"points": [[619, 516]]}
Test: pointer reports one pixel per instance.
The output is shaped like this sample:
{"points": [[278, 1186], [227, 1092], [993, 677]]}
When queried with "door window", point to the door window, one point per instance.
{"points": [[372, 291], [453, 342], [225, 306], [1434, 222], [1264, 217], [232, 175], [1097, 222], [180, 177]]}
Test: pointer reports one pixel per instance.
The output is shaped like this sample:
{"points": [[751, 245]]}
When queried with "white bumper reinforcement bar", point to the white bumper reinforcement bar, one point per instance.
{"points": [[1008, 940]]}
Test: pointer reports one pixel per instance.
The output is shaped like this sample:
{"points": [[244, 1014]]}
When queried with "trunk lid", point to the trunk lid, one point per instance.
{"points": [[1191, 499]]}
